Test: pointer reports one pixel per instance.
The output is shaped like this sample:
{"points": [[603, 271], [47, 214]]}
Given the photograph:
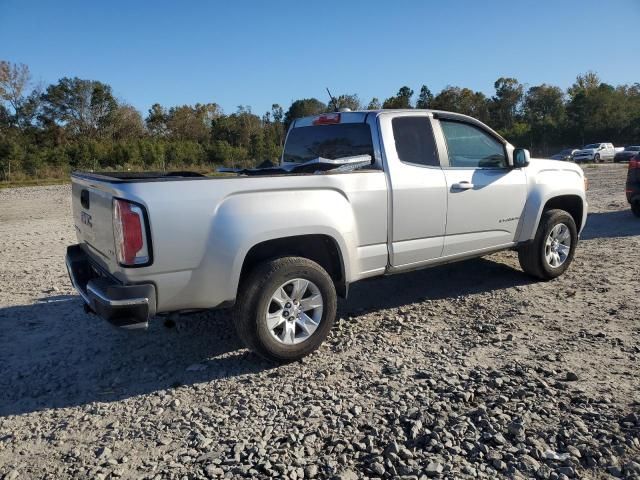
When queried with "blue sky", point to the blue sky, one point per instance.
{"points": [[257, 52]]}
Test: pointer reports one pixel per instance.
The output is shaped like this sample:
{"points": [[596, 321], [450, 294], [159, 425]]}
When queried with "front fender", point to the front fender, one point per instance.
{"points": [[545, 185]]}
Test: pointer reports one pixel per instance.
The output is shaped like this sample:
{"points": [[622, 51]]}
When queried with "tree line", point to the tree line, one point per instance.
{"points": [[46, 131]]}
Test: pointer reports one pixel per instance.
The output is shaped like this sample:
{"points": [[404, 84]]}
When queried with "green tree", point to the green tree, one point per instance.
{"points": [[303, 108], [350, 101], [14, 79], [126, 123], [425, 98], [83, 107], [28, 109], [152, 153], [631, 97], [57, 157], [156, 121], [598, 111], [236, 129], [401, 100], [5, 118], [544, 112], [78, 124], [33, 160], [584, 83], [374, 104], [277, 116], [505, 105], [184, 152], [192, 122], [11, 155], [273, 132], [462, 100]]}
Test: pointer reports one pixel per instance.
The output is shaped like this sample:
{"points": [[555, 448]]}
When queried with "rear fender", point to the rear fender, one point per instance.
{"points": [[246, 219]]}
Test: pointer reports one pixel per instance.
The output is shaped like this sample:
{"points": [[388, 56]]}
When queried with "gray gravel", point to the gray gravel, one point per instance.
{"points": [[464, 371]]}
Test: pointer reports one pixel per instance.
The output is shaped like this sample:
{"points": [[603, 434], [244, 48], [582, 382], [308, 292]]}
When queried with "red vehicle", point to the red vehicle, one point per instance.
{"points": [[633, 185]]}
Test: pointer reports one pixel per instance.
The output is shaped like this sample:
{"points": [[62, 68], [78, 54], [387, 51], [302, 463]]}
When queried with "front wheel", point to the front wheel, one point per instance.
{"points": [[596, 158], [285, 308], [552, 249]]}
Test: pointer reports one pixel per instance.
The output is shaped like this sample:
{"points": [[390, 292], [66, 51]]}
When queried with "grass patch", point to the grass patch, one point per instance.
{"points": [[34, 182]]}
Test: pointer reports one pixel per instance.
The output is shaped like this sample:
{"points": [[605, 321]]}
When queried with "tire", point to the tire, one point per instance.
{"points": [[596, 158], [635, 208], [257, 298], [533, 256]]}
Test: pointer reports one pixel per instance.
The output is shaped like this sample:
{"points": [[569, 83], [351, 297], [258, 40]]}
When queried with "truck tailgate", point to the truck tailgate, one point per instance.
{"points": [[93, 218]]}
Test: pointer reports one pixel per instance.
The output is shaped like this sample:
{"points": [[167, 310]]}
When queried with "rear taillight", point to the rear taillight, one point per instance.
{"points": [[634, 162], [129, 228]]}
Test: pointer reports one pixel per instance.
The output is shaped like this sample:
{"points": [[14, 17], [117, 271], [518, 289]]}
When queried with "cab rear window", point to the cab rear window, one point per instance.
{"points": [[328, 141]]}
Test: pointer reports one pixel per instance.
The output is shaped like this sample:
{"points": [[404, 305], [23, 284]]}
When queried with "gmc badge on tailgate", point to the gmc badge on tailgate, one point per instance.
{"points": [[86, 219]]}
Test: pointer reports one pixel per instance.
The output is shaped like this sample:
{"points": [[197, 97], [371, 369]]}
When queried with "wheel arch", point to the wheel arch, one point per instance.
{"points": [[320, 248], [570, 201], [572, 204]]}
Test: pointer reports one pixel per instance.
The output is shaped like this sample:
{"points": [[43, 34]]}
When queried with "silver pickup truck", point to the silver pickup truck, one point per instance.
{"points": [[280, 244]]}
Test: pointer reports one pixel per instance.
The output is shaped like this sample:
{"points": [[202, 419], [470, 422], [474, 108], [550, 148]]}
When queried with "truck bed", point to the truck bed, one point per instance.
{"points": [[124, 177], [315, 166], [199, 229]]}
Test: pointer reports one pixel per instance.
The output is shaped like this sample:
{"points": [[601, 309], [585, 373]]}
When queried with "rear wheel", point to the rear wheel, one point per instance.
{"points": [[552, 250], [285, 308], [596, 158]]}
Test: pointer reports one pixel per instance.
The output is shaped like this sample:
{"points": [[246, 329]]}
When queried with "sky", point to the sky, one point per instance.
{"points": [[258, 53]]}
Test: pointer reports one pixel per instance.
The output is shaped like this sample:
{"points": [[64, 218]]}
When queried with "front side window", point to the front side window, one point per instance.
{"points": [[471, 147], [414, 141]]}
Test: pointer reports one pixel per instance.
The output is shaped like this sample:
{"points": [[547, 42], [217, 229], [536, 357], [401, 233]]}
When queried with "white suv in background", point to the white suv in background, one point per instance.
{"points": [[595, 152]]}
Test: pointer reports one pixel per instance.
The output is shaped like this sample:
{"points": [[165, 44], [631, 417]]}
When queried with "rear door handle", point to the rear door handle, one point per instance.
{"points": [[462, 186]]}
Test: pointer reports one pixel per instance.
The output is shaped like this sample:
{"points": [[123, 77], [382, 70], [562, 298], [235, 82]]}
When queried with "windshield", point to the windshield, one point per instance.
{"points": [[592, 145], [328, 141], [633, 148], [566, 152]]}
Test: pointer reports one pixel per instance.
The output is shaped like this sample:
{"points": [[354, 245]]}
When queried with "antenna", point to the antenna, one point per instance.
{"points": [[335, 102]]}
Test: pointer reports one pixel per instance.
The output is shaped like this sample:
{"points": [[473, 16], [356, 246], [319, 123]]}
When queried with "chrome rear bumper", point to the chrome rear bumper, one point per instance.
{"points": [[127, 306]]}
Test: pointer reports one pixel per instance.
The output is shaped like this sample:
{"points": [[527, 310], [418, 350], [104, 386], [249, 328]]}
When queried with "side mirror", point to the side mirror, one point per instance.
{"points": [[521, 157]]}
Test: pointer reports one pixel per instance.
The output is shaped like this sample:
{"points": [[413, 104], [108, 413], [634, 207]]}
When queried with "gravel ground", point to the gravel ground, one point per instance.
{"points": [[469, 370]]}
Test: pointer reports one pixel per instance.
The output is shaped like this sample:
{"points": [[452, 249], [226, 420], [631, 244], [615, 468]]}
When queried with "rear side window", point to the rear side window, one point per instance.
{"points": [[414, 141], [328, 141], [471, 147]]}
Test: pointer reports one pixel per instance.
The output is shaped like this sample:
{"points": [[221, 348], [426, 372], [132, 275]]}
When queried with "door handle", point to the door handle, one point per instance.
{"points": [[464, 185]]}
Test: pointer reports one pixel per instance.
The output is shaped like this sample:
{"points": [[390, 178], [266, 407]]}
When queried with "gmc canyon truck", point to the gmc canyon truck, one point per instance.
{"points": [[356, 195]]}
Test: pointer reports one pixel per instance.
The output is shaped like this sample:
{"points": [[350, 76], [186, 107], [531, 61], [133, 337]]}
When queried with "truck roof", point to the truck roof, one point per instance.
{"points": [[361, 116]]}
